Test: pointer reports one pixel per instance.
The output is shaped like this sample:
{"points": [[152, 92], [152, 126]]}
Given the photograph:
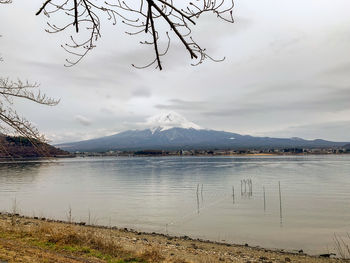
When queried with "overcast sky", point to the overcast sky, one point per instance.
{"points": [[286, 73]]}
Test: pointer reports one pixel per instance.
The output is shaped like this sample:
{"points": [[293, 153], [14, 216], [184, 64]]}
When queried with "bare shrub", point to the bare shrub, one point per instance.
{"points": [[342, 245]]}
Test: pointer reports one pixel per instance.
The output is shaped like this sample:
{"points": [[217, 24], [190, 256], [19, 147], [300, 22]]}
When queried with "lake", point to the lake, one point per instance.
{"points": [[202, 197]]}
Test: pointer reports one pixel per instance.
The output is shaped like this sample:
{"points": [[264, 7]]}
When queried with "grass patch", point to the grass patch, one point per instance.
{"points": [[69, 239]]}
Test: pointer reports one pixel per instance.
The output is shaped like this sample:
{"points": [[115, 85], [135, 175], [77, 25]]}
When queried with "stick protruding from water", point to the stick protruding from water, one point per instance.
{"points": [[264, 199], [280, 197], [233, 194]]}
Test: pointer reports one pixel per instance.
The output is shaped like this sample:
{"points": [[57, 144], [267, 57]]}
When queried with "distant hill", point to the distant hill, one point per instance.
{"points": [[21, 147], [347, 146], [174, 132]]}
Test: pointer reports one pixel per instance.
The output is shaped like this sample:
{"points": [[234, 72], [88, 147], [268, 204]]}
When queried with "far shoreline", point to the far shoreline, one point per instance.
{"points": [[103, 155]]}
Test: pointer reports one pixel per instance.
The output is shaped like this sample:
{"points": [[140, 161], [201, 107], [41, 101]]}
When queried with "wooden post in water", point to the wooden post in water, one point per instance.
{"points": [[251, 187], [197, 204], [202, 193], [241, 187], [248, 182], [233, 194], [279, 190], [264, 199], [198, 198]]}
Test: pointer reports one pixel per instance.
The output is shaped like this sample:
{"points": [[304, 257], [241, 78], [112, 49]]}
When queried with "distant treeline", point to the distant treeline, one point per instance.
{"points": [[150, 152]]}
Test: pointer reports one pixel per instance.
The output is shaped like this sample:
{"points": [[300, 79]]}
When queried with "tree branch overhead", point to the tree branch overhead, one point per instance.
{"points": [[146, 16]]}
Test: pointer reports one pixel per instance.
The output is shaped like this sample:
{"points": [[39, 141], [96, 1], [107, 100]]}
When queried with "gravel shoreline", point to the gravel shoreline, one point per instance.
{"points": [[145, 247]]}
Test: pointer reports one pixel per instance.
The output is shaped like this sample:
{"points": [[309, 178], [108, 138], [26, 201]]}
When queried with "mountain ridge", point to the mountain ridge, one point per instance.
{"points": [[181, 138], [171, 131]]}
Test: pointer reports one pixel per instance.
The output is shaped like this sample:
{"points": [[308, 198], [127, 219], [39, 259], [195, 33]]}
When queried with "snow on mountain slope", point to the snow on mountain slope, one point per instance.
{"points": [[166, 121]]}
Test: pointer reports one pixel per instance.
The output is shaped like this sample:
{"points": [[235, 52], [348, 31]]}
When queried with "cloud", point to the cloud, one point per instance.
{"points": [[177, 104], [333, 130], [328, 101], [141, 93], [77, 135], [83, 120], [342, 69]]}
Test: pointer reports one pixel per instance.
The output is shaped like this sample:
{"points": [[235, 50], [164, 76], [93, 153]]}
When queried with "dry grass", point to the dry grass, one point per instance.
{"points": [[88, 237], [151, 255], [71, 238]]}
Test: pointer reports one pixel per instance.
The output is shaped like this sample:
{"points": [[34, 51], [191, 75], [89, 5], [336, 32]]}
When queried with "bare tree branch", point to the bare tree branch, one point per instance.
{"points": [[10, 121], [154, 33], [9, 91], [146, 16]]}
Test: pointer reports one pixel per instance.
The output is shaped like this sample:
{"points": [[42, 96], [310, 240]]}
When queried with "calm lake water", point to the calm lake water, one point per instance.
{"points": [[166, 195]]}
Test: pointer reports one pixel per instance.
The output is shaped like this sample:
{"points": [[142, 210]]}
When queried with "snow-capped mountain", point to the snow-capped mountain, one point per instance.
{"points": [[172, 131], [166, 121]]}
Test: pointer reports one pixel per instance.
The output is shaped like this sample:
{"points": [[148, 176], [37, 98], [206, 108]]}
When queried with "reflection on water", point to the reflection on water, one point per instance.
{"points": [[15, 174], [240, 200]]}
